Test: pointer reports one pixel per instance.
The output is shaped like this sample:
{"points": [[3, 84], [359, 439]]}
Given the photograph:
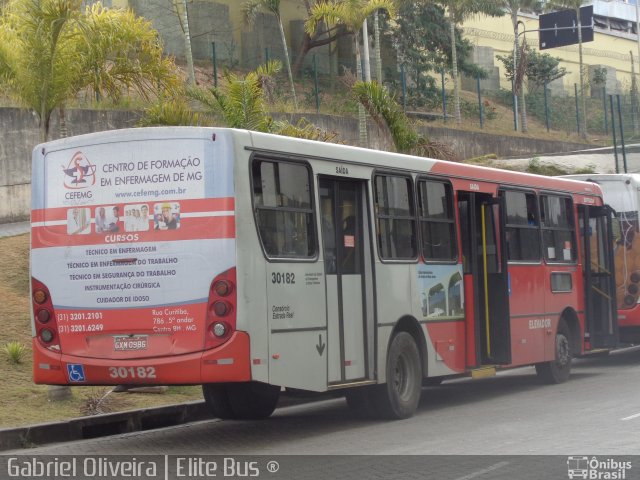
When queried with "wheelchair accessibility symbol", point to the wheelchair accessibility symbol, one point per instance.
{"points": [[75, 372]]}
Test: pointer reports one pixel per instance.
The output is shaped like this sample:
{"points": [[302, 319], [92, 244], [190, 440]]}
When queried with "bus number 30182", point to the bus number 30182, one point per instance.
{"points": [[288, 277], [132, 372]]}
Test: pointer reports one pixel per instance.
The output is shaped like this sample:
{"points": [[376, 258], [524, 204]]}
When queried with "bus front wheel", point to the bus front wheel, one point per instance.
{"points": [[399, 397], [558, 369]]}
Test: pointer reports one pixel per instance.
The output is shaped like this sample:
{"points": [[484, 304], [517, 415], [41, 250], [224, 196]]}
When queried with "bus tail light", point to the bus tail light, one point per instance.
{"points": [[44, 315], [221, 309], [219, 329]]}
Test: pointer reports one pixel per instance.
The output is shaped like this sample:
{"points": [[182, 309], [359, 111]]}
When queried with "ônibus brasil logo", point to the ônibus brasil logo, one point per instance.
{"points": [[593, 468], [80, 172]]}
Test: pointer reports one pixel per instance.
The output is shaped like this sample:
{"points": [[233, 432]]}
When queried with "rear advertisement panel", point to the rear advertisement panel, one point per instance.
{"points": [[128, 236]]}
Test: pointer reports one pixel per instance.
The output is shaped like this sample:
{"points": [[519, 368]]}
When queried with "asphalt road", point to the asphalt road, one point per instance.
{"points": [[597, 412]]}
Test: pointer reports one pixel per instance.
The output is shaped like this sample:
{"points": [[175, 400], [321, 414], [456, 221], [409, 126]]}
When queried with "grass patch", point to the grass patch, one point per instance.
{"points": [[21, 401]]}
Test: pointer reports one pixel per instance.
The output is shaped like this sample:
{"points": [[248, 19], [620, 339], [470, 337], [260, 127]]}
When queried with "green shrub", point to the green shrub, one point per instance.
{"points": [[15, 351]]}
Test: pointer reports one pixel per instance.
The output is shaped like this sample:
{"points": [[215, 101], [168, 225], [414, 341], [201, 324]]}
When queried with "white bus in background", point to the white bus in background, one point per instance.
{"points": [[622, 193]]}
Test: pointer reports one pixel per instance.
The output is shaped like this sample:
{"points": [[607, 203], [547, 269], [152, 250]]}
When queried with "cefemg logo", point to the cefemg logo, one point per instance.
{"points": [[79, 173]]}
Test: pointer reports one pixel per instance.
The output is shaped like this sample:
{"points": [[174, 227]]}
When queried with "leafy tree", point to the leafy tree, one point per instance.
{"points": [[458, 11], [250, 11], [389, 116], [575, 5], [541, 68], [421, 35], [320, 37], [50, 51], [350, 15]]}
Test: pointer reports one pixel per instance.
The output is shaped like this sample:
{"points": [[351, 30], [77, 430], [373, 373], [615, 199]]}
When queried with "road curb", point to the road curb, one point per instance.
{"points": [[129, 421], [103, 425]]}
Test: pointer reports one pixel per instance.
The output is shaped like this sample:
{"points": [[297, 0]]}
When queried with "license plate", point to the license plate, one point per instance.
{"points": [[130, 342]]}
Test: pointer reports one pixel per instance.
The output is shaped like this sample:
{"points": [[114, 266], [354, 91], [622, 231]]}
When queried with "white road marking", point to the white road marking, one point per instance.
{"points": [[491, 468], [631, 417]]}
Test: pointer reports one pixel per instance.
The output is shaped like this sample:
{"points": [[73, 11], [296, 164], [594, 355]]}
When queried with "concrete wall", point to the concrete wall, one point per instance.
{"points": [[20, 136], [208, 22]]}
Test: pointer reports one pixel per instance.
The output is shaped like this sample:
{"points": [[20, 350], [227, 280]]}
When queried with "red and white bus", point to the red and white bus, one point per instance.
{"points": [[622, 193], [248, 262]]}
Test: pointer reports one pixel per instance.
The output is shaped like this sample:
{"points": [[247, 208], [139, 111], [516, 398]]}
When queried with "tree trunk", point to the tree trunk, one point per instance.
{"points": [[365, 51], [362, 115], [523, 104], [288, 62], [378, 49], [62, 118], [305, 46], [183, 18], [454, 70]]}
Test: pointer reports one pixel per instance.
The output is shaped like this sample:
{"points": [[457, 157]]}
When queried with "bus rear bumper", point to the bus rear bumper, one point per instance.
{"points": [[226, 363]]}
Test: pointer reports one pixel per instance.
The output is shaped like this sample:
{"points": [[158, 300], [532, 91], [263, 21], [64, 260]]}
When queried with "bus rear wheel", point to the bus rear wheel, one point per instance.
{"points": [[399, 397], [241, 401], [559, 369], [217, 400], [252, 400]]}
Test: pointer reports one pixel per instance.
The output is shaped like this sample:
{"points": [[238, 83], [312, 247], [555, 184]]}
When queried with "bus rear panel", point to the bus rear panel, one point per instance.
{"points": [[133, 260]]}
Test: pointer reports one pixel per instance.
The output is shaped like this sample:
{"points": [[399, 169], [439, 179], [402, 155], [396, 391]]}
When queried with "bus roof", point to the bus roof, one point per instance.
{"points": [[309, 149]]}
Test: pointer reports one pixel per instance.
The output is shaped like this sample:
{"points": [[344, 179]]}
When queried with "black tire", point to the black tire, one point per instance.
{"points": [[252, 400], [217, 400], [399, 397], [559, 369]]}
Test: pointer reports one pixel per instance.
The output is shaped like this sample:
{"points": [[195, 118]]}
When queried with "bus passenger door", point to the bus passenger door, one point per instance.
{"points": [[601, 326], [349, 280], [486, 276]]}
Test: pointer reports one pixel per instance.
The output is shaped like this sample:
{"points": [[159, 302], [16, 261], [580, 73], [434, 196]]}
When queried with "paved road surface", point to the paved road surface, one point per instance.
{"points": [[596, 413]]}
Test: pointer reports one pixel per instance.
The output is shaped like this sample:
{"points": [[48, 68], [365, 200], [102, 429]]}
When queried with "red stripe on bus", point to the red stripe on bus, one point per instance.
{"points": [[202, 228], [225, 204]]}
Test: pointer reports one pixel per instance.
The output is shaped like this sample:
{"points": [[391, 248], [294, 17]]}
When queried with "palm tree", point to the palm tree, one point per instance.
{"points": [[388, 115], [575, 5], [514, 7], [250, 10], [459, 11], [50, 51], [241, 102], [350, 14]]}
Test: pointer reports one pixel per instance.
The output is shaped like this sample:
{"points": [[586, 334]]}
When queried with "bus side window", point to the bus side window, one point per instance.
{"points": [[395, 217], [558, 229], [522, 226], [437, 222], [283, 209]]}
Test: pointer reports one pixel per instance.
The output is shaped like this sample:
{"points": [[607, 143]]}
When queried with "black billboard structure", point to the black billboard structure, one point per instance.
{"points": [[558, 29]]}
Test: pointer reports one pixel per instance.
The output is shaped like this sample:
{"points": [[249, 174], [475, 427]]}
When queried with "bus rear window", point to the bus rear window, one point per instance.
{"points": [[284, 215]]}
